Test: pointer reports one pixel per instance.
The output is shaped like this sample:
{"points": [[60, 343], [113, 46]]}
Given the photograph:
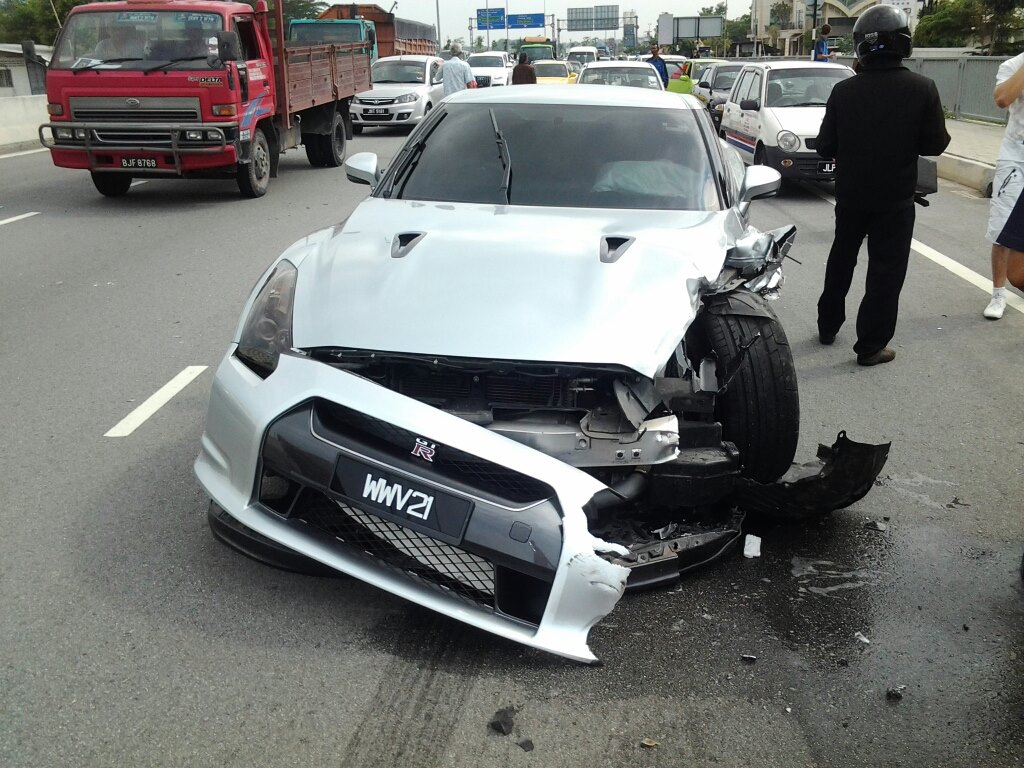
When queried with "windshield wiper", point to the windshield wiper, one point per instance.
{"points": [[178, 60], [95, 64], [505, 158], [808, 104]]}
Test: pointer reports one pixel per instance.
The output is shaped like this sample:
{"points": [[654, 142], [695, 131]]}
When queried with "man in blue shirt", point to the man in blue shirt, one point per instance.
{"points": [[659, 64], [821, 45]]}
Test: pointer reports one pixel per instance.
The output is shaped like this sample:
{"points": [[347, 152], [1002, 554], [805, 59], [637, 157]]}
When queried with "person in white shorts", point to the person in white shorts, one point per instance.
{"points": [[1006, 215]]}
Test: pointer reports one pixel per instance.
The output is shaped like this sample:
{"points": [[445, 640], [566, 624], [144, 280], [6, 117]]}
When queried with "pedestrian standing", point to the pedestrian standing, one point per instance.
{"points": [[456, 74], [1006, 213], [659, 64], [523, 73], [876, 125], [821, 52]]}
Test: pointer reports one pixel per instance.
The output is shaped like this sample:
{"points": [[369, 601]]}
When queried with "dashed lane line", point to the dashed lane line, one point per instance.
{"points": [[25, 152], [18, 218], [952, 265], [136, 183], [156, 401]]}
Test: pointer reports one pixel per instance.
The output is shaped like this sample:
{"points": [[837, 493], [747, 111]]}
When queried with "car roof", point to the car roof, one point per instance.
{"points": [[592, 95], [618, 64], [794, 64], [489, 53]]}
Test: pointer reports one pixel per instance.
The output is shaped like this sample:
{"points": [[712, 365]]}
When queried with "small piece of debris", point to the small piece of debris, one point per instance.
{"points": [[527, 745], [860, 636], [503, 721], [748, 658], [843, 663], [966, 628], [648, 743], [788, 710], [957, 502], [875, 525], [895, 693], [886, 518], [846, 725], [752, 546]]}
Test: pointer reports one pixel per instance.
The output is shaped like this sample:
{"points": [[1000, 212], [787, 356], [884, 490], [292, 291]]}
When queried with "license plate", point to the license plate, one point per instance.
{"points": [[827, 166], [138, 162], [399, 498], [375, 111]]}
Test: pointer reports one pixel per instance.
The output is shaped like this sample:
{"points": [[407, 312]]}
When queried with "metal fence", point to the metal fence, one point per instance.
{"points": [[965, 84]]}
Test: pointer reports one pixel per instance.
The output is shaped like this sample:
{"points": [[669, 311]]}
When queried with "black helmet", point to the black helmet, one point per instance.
{"points": [[881, 30]]}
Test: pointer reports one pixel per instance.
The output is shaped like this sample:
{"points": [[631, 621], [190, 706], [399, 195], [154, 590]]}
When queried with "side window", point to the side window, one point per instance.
{"points": [[247, 35], [741, 87], [755, 88]]}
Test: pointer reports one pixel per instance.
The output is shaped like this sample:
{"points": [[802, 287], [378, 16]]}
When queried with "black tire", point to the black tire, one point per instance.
{"points": [[759, 155], [254, 176], [332, 145], [111, 184], [312, 144], [356, 130], [760, 409]]}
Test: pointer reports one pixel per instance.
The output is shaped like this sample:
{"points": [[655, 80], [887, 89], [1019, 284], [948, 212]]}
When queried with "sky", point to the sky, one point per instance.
{"points": [[455, 14]]}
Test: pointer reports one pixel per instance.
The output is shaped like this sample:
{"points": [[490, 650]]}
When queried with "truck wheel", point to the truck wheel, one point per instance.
{"points": [[332, 146], [356, 130], [111, 184], [254, 176], [312, 144], [760, 410]]}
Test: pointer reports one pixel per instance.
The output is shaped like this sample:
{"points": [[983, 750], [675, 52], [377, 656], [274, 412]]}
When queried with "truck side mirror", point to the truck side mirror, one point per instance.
{"points": [[371, 36], [229, 47]]}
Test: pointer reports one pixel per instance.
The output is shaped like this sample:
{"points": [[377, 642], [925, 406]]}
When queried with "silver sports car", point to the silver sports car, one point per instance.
{"points": [[534, 368]]}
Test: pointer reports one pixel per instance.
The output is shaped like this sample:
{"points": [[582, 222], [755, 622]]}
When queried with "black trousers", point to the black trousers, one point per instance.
{"points": [[889, 234]]}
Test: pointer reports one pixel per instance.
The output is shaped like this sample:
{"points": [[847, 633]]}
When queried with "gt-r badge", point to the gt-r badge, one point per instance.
{"points": [[424, 450]]}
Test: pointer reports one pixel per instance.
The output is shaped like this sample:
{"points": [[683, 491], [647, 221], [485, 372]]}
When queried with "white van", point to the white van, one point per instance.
{"points": [[584, 54]]}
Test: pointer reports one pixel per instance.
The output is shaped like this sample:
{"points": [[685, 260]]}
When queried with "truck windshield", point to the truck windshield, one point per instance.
{"points": [[137, 40], [324, 32], [395, 71]]}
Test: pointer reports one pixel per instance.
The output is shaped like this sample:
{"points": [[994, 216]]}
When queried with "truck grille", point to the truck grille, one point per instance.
{"points": [[138, 115], [135, 110]]}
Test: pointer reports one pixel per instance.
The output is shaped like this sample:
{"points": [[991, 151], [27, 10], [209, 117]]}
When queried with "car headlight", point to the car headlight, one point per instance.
{"points": [[405, 98], [267, 332], [788, 141]]}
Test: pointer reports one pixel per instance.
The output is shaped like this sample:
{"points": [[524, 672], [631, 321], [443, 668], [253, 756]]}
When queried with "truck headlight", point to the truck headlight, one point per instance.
{"points": [[193, 135], [788, 141], [406, 98], [267, 332], [63, 133]]}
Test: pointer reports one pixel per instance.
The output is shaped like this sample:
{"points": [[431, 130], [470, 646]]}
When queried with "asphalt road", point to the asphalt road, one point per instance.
{"points": [[130, 637]]}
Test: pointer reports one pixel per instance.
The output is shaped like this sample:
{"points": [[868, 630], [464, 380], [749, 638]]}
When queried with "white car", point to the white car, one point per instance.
{"points": [[638, 74], [774, 112], [491, 68], [405, 89]]}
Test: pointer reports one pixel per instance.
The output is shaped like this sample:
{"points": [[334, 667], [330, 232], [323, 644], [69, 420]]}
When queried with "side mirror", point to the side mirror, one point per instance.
{"points": [[229, 47], [362, 168], [748, 104], [759, 181], [704, 84]]}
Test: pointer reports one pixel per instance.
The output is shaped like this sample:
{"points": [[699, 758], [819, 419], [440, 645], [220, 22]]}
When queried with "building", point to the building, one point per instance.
{"points": [[785, 31], [14, 80]]}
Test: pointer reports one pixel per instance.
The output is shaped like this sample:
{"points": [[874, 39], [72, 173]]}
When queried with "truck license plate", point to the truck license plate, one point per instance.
{"points": [[138, 162], [375, 111], [827, 166]]}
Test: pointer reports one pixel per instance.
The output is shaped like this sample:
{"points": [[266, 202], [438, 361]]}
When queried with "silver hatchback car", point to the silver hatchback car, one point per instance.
{"points": [[405, 89]]}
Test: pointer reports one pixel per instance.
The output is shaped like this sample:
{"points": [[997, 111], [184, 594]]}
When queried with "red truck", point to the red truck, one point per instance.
{"points": [[194, 89]]}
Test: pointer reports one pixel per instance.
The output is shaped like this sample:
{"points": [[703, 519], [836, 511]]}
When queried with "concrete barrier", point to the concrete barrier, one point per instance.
{"points": [[20, 118]]}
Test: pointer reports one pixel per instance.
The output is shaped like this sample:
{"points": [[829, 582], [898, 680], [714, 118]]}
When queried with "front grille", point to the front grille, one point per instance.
{"points": [[483, 81], [491, 389], [449, 463], [136, 115], [134, 138], [377, 102], [441, 566], [811, 143], [378, 118]]}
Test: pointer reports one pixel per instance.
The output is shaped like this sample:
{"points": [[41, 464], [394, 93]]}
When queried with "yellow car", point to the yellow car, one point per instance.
{"points": [[686, 77], [553, 72]]}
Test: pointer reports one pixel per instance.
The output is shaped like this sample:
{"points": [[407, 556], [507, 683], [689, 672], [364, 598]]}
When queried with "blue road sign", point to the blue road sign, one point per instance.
{"points": [[526, 21], [490, 18]]}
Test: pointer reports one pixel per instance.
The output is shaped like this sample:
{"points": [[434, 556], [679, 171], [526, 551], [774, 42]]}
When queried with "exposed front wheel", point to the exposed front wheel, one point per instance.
{"points": [[111, 184], [759, 155], [332, 146], [760, 408], [254, 176], [311, 142], [357, 129]]}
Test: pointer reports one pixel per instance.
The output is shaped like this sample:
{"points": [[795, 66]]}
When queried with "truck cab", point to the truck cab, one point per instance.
{"points": [[326, 31]]}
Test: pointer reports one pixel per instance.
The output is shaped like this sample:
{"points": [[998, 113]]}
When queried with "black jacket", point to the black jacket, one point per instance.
{"points": [[876, 125]]}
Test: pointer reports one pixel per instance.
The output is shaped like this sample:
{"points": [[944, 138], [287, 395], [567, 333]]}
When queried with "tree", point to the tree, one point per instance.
{"points": [[718, 10], [478, 44], [951, 24], [781, 12]]}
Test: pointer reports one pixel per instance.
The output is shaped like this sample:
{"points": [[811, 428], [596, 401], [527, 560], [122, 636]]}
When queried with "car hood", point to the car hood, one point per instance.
{"points": [[803, 121], [391, 90], [509, 282]]}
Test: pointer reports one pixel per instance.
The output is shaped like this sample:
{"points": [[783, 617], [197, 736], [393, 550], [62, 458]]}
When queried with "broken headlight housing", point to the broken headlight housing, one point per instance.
{"points": [[267, 333]]}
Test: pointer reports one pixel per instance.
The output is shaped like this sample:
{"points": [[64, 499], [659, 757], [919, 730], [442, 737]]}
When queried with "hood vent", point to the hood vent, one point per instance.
{"points": [[613, 247], [405, 242]]}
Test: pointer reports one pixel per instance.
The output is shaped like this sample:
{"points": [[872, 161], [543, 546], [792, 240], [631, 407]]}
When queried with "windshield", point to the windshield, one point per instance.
{"points": [[576, 156], [537, 52], [324, 32], [725, 77], [802, 87], [398, 72], [637, 77], [486, 61], [137, 39], [582, 56], [551, 70]]}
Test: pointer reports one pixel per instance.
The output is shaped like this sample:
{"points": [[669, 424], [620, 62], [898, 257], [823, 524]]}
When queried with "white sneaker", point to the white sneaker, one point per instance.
{"points": [[995, 308]]}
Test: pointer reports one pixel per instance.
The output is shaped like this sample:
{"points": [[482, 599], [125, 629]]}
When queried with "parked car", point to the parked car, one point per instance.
{"points": [[491, 68], [405, 89], [637, 74], [774, 112], [553, 72]]}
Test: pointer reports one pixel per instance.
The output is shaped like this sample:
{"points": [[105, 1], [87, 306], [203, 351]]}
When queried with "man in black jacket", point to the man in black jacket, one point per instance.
{"points": [[876, 125]]}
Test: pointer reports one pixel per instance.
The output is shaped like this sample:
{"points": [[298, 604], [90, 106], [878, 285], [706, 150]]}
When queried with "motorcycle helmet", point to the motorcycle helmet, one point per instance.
{"points": [[881, 30]]}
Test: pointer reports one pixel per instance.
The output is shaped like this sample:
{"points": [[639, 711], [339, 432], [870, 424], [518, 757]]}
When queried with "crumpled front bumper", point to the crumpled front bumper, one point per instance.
{"points": [[330, 465]]}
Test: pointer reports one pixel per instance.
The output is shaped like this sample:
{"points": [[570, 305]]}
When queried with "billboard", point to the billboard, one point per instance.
{"points": [[697, 27], [490, 18], [579, 19], [526, 21], [606, 17]]}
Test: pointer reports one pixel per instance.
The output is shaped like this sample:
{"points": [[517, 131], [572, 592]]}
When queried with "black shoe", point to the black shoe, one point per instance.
{"points": [[881, 356], [826, 338]]}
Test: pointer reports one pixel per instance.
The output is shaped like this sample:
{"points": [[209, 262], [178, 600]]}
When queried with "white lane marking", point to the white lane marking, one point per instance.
{"points": [[136, 183], [958, 269], [18, 218], [26, 152], [156, 401]]}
